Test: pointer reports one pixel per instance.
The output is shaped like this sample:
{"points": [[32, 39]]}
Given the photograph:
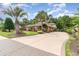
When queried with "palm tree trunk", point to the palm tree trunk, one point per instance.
{"points": [[17, 26], [41, 25]]}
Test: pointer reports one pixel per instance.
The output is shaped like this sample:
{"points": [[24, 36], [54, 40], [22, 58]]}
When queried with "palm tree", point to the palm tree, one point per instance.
{"points": [[41, 17], [50, 18], [25, 21], [15, 13]]}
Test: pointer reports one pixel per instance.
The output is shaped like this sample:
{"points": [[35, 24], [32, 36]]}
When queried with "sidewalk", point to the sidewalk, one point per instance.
{"points": [[2, 38]]}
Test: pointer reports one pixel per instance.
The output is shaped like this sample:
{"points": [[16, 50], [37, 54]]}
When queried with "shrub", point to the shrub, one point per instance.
{"points": [[40, 32], [68, 50], [69, 30], [3, 29], [8, 24]]}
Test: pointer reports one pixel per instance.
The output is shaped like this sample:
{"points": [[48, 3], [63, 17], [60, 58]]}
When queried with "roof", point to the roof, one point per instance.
{"points": [[52, 25], [39, 24]]}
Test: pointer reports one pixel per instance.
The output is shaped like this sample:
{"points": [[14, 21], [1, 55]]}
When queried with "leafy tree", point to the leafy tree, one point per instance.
{"points": [[33, 21], [75, 20], [41, 17], [67, 21], [77, 11], [51, 19], [64, 22], [24, 23], [16, 13], [1, 20], [8, 24], [1, 23]]}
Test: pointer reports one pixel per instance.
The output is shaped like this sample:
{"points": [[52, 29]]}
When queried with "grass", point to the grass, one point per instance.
{"points": [[7, 34], [68, 51], [30, 33], [12, 34]]}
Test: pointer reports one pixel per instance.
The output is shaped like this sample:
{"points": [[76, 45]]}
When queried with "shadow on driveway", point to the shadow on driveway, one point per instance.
{"points": [[13, 48]]}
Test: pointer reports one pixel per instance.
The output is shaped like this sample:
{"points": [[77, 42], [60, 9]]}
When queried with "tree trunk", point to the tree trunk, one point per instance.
{"points": [[40, 20], [9, 30], [17, 26]]}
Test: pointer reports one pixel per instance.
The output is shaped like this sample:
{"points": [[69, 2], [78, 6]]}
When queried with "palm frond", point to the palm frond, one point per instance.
{"points": [[22, 14]]}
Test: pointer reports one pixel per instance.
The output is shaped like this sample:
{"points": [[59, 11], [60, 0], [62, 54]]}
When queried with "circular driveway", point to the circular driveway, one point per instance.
{"points": [[39, 45], [49, 42]]}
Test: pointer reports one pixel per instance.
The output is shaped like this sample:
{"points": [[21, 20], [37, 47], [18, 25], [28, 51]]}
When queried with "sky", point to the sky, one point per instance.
{"points": [[55, 9]]}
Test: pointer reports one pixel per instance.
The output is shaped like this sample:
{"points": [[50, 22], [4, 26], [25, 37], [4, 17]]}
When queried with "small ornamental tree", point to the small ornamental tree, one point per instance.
{"points": [[8, 24]]}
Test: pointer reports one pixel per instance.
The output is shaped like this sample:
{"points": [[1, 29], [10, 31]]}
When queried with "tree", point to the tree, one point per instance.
{"points": [[75, 19], [33, 21], [67, 21], [64, 22], [51, 19], [77, 11], [1, 20], [1, 23], [8, 24], [41, 17], [24, 23], [16, 13]]}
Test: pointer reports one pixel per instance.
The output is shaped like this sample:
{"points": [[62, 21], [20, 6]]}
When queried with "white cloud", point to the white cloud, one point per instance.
{"points": [[5, 4], [1, 9], [66, 12], [54, 10], [48, 10], [35, 13], [57, 8], [16, 4], [70, 14], [60, 5], [32, 15], [21, 5], [33, 4], [62, 14], [50, 4]]}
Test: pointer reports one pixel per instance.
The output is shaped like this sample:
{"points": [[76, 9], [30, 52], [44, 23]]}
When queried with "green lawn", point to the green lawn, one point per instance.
{"points": [[12, 34], [68, 51], [7, 34], [30, 33]]}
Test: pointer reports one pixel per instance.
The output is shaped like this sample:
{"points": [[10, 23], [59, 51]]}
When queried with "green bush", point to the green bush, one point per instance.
{"points": [[40, 32], [8, 24], [69, 30]]}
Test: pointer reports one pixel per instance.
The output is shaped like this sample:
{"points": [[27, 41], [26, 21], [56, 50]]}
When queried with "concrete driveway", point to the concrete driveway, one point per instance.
{"points": [[2, 38], [49, 44]]}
